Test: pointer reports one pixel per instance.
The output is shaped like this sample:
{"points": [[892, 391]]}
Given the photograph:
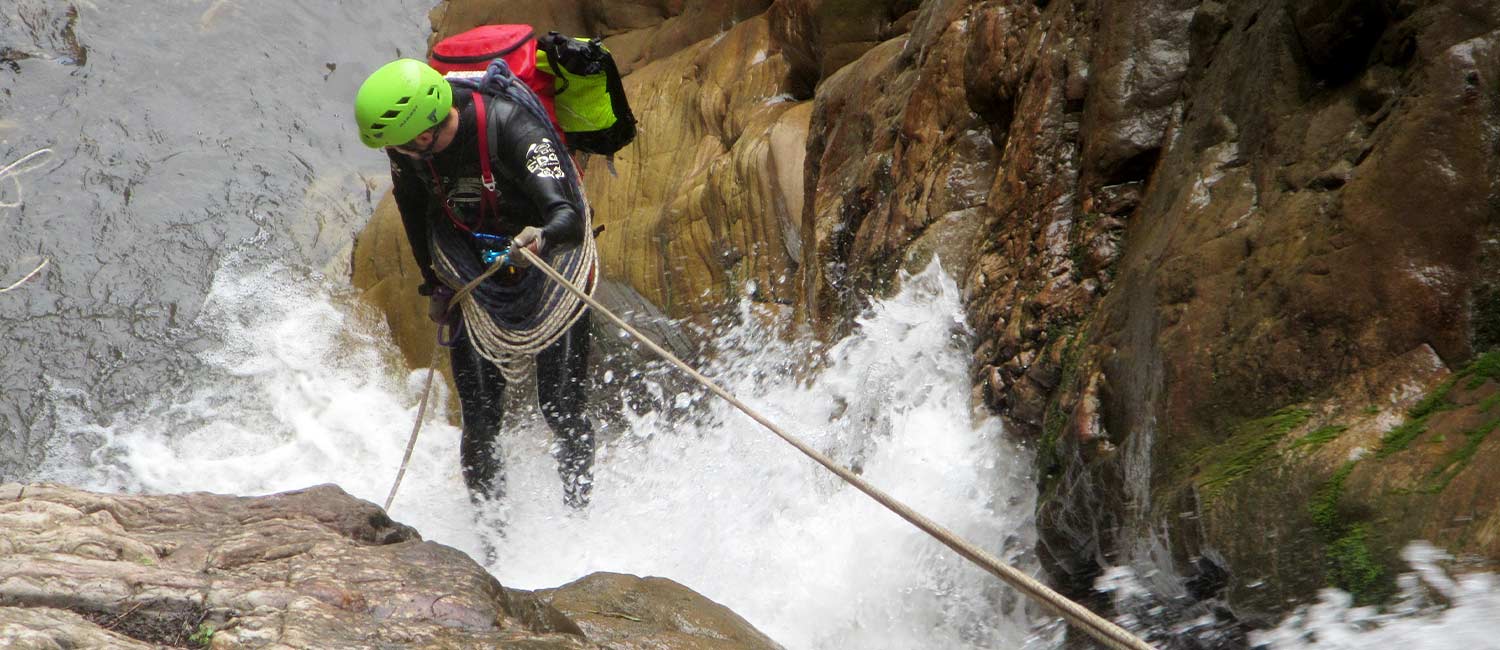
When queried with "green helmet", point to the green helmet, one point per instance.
{"points": [[399, 101]]}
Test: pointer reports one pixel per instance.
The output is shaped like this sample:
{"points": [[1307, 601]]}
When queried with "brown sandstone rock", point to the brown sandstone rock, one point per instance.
{"points": [[309, 569], [627, 612]]}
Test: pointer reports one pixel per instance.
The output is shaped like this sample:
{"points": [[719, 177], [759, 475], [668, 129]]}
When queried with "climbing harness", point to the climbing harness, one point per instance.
{"points": [[1100, 628], [12, 172]]}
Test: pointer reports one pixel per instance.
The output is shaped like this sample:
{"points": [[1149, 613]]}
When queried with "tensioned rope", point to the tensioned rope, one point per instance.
{"points": [[1096, 626], [12, 172]]}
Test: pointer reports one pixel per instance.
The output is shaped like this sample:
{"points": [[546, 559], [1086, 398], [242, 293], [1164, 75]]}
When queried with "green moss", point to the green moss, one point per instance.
{"points": [[1434, 402], [1349, 563], [204, 637], [1324, 506], [1489, 403], [1457, 460], [1400, 437], [1485, 368], [1372, 410], [1049, 454], [1322, 436], [1352, 566], [1250, 445]]}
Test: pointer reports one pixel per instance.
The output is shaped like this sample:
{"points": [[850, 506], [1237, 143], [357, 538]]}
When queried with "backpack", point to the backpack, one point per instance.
{"points": [[576, 80]]}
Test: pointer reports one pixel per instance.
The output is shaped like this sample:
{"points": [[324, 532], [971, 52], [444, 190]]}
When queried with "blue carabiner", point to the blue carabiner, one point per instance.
{"points": [[493, 247]]}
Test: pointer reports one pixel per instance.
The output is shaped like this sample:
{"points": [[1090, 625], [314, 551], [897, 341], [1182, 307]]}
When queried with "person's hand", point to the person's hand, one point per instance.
{"points": [[437, 306], [530, 238]]}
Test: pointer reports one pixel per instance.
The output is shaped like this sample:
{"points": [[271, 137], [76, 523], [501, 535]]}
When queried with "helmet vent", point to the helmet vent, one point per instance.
{"points": [[393, 113], [403, 101]]}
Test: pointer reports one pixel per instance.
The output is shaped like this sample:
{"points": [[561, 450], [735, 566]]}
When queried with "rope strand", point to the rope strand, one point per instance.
{"points": [[12, 173]]}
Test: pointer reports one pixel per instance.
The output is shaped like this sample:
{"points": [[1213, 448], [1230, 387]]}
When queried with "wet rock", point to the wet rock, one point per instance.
{"points": [[821, 36], [1137, 64], [623, 611], [1337, 36], [312, 569]]}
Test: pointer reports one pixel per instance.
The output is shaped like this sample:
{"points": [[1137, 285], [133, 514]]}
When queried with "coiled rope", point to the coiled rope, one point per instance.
{"points": [[12, 173], [1100, 628], [511, 347]]}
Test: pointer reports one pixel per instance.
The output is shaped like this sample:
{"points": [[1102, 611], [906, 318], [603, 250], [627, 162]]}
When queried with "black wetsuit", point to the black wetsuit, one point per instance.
{"points": [[534, 190]]}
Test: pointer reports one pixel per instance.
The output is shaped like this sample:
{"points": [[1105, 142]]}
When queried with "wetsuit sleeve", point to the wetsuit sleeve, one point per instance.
{"points": [[526, 151], [412, 202]]}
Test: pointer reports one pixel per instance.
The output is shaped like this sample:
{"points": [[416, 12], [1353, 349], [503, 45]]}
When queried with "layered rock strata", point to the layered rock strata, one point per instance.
{"points": [[312, 569]]}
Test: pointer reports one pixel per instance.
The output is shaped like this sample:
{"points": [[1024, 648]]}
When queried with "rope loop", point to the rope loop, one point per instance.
{"points": [[12, 173]]}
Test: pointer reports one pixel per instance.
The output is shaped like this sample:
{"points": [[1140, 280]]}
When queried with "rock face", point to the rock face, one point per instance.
{"points": [[1234, 260], [310, 569]]}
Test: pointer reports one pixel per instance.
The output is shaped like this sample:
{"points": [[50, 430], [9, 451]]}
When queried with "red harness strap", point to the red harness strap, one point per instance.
{"points": [[490, 200], [442, 195], [486, 175]]}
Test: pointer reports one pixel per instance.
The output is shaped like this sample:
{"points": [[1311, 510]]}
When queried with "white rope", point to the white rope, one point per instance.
{"points": [[28, 276], [513, 350], [416, 427], [12, 173], [1102, 629]]}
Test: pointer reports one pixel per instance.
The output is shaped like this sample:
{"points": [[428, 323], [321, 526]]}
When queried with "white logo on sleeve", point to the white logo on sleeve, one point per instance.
{"points": [[541, 159]]}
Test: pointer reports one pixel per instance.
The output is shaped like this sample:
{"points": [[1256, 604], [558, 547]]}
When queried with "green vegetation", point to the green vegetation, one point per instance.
{"points": [[1322, 436], [1400, 438], [1353, 568], [1489, 403], [1324, 506], [204, 636], [1486, 367], [1251, 445], [1458, 459], [1349, 563], [1049, 455]]}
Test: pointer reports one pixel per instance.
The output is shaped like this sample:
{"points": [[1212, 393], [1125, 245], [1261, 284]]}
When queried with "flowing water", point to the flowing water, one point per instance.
{"points": [[195, 330]]}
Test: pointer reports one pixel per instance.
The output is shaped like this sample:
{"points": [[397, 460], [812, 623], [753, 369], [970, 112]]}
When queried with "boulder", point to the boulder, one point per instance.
{"points": [[310, 569]]}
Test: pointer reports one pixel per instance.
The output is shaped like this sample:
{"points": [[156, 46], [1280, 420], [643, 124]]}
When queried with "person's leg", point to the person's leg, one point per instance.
{"points": [[561, 380], [481, 392]]}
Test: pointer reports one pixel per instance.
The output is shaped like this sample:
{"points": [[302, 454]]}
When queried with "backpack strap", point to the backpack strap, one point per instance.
{"points": [[486, 147]]}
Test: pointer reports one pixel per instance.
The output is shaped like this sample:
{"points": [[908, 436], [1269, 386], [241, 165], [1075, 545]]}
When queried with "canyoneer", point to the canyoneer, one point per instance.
{"points": [[479, 169]]}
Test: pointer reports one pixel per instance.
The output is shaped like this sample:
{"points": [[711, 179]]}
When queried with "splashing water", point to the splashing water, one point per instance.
{"points": [[1436, 611], [301, 389]]}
